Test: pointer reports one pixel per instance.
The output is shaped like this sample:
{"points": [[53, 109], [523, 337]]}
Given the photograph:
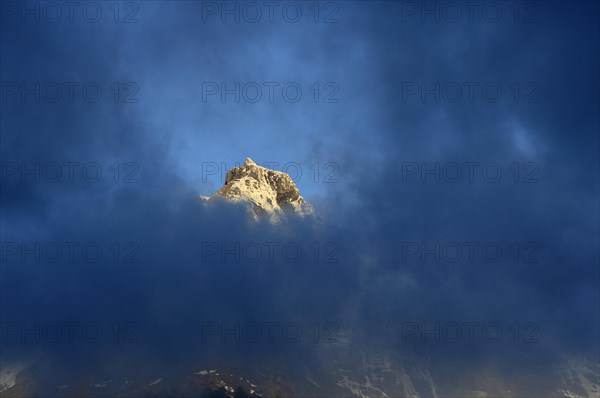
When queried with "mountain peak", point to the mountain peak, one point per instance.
{"points": [[269, 194]]}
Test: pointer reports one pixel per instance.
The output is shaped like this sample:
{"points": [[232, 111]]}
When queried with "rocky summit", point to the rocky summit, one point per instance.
{"points": [[268, 194]]}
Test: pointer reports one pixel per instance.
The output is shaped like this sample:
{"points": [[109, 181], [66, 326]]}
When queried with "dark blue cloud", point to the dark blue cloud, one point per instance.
{"points": [[380, 211]]}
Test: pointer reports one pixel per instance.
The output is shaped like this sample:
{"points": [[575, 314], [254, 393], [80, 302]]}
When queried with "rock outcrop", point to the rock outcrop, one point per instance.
{"points": [[268, 194]]}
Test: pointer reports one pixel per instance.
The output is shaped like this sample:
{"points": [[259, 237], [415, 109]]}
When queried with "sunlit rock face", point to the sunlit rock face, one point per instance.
{"points": [[268, 194]]}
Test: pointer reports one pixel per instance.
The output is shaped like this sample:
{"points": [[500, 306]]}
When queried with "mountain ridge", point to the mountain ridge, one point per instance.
{"points": [[268, 194]]}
